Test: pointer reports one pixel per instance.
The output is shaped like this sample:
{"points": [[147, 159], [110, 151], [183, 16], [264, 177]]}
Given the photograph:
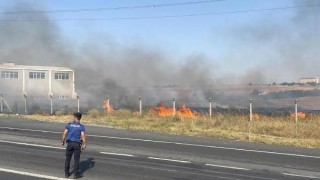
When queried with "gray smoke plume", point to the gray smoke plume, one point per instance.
{"points": [[104, 68], [32, 43], [280, 50], [131, 72]]}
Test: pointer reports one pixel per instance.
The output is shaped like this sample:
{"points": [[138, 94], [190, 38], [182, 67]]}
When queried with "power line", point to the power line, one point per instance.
{"points": [[168, 16], [113, 8]]}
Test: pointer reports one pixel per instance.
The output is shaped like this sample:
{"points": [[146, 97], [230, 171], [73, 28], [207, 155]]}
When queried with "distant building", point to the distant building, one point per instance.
{"points": [[309, 80], [37, 81]]}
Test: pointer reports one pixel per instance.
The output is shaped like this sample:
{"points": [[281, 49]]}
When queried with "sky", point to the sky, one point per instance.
{"points": [[232, 42], [179, 37]]}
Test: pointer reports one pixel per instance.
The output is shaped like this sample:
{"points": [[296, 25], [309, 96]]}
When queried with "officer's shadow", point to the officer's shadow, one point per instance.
{"points": [[86, 165]]}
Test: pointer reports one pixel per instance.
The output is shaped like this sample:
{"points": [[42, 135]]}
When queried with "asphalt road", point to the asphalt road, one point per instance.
{"points": [[31, 150]]}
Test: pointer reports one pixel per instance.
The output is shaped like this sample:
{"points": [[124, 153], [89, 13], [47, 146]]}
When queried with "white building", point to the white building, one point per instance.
{"points": [[37, 81], [309, 80]]}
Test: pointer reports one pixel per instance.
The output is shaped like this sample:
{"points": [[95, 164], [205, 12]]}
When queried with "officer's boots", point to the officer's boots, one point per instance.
{"points": [[66, 174]]}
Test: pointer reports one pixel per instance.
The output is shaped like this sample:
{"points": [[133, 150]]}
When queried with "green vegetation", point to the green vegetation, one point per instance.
{"points": [[280, 130]]}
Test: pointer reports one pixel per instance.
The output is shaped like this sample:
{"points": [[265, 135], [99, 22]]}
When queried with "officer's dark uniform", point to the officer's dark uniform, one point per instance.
{"points": [[74, 145]]}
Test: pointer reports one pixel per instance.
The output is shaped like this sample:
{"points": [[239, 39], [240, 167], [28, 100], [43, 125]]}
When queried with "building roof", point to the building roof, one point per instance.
{"points": [[36, 68], [309, 78]]}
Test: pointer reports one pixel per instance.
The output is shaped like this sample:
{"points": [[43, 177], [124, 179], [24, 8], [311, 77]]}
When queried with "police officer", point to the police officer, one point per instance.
{"points": [[74, 133]]}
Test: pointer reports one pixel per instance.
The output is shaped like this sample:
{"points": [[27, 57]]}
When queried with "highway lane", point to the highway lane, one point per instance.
{"points": [[156, 154], [8, 175], [49, 162]]}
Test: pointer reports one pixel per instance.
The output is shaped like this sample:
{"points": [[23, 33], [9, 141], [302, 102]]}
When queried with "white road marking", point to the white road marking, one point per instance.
{"points": [[228, 167], [32, 130], [31, 174], [208, 146], [178, 143], [296, 175], [172, 160], [28, 144], [117, 154]]}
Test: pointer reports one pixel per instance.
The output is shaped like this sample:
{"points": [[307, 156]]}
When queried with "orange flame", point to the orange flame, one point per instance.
{"points": [[185, 112], [300, 115], [164, 111], [107, 106]]}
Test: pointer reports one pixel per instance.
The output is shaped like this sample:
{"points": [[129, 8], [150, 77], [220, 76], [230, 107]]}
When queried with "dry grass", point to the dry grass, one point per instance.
{"points": [[280, 130]]}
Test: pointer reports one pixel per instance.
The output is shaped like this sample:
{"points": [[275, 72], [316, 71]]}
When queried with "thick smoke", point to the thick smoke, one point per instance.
{"points": [[104, 68], [280, 50], [32, 43], [129, 72]]}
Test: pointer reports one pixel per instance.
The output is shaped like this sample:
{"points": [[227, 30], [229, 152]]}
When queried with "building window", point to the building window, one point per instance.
{"points": [[37, 75], [9, 74], [61, 76]]}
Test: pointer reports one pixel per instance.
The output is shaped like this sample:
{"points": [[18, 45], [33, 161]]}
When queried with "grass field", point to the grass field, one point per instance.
{"points": [[279, 130]]}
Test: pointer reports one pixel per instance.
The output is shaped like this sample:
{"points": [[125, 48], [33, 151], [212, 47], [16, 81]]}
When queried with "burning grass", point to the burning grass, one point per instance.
{"points": [[280, 130], [164, 111], [300, 115], [107, 106]]}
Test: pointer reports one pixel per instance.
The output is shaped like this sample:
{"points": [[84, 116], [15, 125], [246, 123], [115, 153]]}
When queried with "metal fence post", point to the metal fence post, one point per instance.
{"points": [[296, 110], [1, 103], [140, 106], [250, 110], [210, 107], [296, 117], [51, 104], [174, 106], [108, 104], [25, 104], [78, 98]]}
